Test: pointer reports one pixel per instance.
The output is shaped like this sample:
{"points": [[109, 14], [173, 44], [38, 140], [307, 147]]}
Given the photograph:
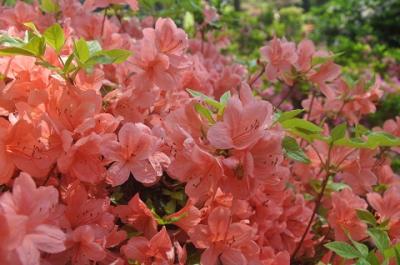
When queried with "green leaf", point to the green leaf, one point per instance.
{"points": [[373, 140], [118, 55], [343, 249], [397, 255], [35, 47], [54, 36], [362, 262], [94, 47], [336, 186], [210, 101], [225, 97], [8, 41], [380, 238], [305, 129], [366, 216], [32, 27], [287, 115], [204, 112], [49, 6], [293, 150], [301, 124], [360, 130], [363, 249], [68, 67], [189, 22], [338, 132], [15, 51], [81, 50], [372, 259], [170, 207]]}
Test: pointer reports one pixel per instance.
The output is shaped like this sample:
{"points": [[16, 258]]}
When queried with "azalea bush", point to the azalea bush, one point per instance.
{"points": [[125, 139]]}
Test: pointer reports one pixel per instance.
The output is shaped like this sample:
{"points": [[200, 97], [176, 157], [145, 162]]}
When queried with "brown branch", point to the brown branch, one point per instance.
{"points": [[317, 203], [51, 171], [103, 22], [253, 80], [285, 97]]}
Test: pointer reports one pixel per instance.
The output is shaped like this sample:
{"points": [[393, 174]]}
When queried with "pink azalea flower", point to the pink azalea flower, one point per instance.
{"points": [[84, 158], [305, 52], [27, 147], [170, 39], [187, 217], [393, 127], [223, 240], [386, 206], [158, 56], [242, 125], [86, 245], [138, 215], [359, 173], [280, 55], [343, 218], [326, 73], [137, 154], [29, 209], [157, 250], [82, 210]]}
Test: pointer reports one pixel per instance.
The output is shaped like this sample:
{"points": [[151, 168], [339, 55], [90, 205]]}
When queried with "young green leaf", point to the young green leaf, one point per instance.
{"points": [[343, 249], [225, 97], [362, 261], [380, 238], [8, 41], [49, 6], [81, 50], [303, 125], [54, 36], [360, 130], [397, 255], [32, 27], [170, 207], [15, 51], [109, 56], [293, 150], [36, 45], [366, 216], [210, 101], [372, 258], [363, 249], [94, 46], [287, 115], [338, 132], [204, 112]]}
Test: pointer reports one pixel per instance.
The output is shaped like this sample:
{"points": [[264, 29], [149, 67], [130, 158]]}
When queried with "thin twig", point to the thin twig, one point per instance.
{"points": [[253, 80], [317, 203], [285, 97], [103, 22], [51, 171]]}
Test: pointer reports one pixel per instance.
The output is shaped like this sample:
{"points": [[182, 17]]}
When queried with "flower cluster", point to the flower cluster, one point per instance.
{"points": [[125, 142]]}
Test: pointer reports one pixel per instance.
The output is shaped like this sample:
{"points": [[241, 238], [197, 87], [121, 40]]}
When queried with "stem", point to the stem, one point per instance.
{"points": [[103, 22], [285, 97], [309, 112], [317, 203], [251, 83], [311, 106], [61, 61], [316, 208], [49, 174]]}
